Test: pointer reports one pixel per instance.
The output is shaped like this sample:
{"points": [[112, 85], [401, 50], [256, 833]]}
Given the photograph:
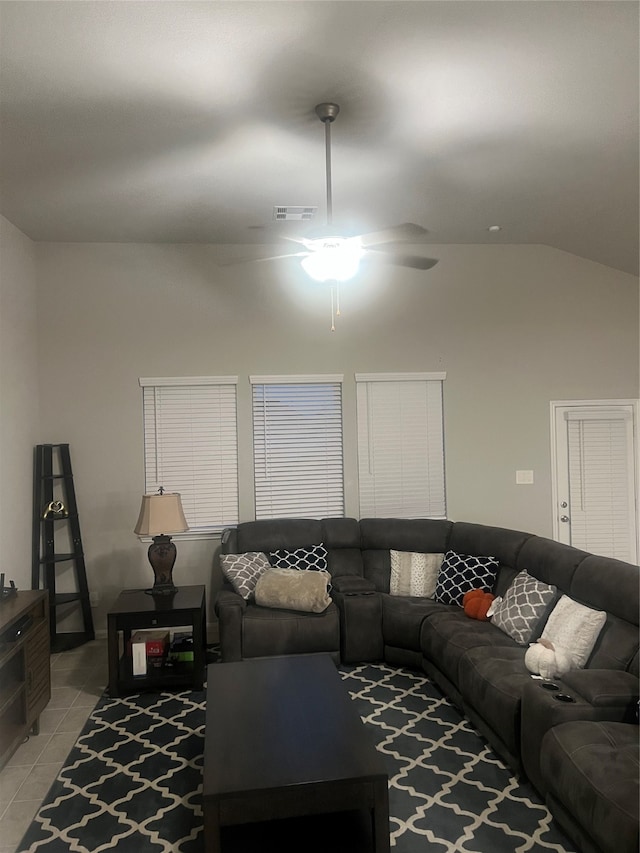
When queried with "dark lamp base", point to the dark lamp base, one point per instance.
{"points": [[163, 589], [162, 556]]}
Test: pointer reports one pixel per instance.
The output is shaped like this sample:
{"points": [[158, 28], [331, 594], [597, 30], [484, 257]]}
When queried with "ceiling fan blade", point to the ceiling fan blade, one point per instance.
{"points": [[260, 260], [396, 234], [416, 262]]}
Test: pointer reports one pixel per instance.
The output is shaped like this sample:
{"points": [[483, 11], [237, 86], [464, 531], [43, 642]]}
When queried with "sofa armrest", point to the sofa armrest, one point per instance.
{"points": [[352, 585], [228, 597], [360, 609], [595, 694], [605, 688], [229, 608]]}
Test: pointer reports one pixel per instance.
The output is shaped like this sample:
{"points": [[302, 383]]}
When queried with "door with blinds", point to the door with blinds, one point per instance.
{"points": [[595, 480]]}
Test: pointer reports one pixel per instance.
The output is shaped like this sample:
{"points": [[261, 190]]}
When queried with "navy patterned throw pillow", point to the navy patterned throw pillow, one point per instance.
{"points": [[460, 573], [308, 558]]}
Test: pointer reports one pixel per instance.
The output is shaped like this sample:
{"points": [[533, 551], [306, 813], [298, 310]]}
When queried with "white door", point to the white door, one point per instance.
{"points": [[595, 476]]}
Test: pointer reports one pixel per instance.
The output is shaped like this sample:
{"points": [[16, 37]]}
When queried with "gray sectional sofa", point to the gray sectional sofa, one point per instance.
{"points": [[560, 745]]}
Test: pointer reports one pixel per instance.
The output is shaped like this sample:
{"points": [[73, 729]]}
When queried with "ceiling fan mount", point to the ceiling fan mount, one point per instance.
{"points": [[327, 112]]}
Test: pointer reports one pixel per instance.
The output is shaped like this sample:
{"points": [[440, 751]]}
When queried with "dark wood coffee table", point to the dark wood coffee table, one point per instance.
{"points": [[283, 739]]}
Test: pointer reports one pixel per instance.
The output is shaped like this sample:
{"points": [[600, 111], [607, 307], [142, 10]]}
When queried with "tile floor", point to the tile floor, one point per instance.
{"points": [[78, 679]]}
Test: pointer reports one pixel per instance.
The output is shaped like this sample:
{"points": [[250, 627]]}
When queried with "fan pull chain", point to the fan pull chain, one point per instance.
{"points": [[337, 299]]}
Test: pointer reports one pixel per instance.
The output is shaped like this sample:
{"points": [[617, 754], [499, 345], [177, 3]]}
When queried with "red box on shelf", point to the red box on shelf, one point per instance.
{"points": [[156, 642]]}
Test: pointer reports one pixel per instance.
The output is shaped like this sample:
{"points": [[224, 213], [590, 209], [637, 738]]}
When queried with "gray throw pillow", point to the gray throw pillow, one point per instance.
{"points": [[523, 606], [243, 570]]}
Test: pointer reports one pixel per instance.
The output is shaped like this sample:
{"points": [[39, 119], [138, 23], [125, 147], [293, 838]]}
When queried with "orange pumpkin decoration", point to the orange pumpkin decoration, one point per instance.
{"points": [[476, 603]]}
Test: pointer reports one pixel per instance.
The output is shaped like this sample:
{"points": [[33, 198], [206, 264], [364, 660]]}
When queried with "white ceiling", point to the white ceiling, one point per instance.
{"points": [[188, 121]]}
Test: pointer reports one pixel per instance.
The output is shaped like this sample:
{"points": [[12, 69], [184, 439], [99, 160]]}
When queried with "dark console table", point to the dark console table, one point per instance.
{"points": [[135, 610], [25, 681]]}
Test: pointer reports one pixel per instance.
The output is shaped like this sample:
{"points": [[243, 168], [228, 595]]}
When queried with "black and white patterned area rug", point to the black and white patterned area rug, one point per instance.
{"points": [[133, 781]]}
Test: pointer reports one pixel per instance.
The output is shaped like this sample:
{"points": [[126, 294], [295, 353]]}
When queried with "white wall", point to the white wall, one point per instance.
{"points": [[513, 326], [19, 424]]}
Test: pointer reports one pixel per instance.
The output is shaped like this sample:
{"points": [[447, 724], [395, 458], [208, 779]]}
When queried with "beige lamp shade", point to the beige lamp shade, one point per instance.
{"points": [[161, 515]]}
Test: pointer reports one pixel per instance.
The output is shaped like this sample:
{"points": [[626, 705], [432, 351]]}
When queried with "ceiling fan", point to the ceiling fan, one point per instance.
{"points": [[334, 258]]}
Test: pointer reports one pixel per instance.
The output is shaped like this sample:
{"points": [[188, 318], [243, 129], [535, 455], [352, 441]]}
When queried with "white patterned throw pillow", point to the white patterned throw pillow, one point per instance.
{"points": [[523, 606], [414, 573], [460, 573], [575, 628], [243, 570], [307, 558]]}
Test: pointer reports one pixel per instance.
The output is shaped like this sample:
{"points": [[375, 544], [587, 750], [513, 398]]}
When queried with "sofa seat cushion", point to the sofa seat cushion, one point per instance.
{"points": [[402, 619], [591, 769], [267, 631], [491, 680], [446, 636]]}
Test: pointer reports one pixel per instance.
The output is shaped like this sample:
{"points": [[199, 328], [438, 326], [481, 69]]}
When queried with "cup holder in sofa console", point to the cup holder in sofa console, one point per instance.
{"points": [[563, 697], [549, 685]]}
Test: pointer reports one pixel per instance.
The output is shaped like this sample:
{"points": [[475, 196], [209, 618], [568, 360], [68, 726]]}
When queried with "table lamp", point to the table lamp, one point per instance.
{"points": [[160, 516]]}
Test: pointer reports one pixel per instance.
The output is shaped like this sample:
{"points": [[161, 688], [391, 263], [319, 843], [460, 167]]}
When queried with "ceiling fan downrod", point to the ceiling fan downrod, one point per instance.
{"points": [[327, 113]]}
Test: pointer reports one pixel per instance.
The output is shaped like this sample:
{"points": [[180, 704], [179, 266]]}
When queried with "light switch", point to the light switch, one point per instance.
{"points": [[524, 478]]}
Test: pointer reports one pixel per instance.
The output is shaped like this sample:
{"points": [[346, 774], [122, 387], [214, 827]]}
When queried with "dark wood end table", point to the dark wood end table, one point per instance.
{"points": [[136, 609], [283, 739]]}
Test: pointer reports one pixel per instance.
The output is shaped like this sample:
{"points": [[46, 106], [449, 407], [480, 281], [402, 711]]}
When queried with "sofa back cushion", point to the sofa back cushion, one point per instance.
{"points": [[379, 536], [616, 646], [613, 586], [273, 534], [481, 540], [599, 582], [608, 585], [340, 536], [551, 562]]}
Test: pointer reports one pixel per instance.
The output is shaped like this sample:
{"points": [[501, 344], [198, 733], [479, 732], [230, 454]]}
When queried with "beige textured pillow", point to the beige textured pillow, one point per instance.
{"points": [[413, 573], [290, 589]]}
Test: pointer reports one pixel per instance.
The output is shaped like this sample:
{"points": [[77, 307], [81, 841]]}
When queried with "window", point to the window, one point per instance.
{"points": [[297, 446], [191, 446], [400, 445]]}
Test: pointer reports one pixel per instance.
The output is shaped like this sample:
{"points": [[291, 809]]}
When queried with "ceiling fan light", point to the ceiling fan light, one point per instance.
{"points": [[337, 260]]}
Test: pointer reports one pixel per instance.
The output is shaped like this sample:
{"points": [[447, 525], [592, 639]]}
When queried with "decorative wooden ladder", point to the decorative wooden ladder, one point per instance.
{"points": [[55, 513]]}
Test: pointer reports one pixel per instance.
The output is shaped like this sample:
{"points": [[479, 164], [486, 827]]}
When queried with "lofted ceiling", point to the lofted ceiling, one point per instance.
{"points": [[189, 121]]}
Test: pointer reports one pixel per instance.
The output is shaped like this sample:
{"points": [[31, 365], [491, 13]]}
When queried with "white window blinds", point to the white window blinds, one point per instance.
{"points": [[602, 481], [191, 447], [297, 446], [401, 445]]}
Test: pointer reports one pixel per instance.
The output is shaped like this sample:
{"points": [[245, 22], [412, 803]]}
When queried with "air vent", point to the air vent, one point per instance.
{"points": [[289, 213]]}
